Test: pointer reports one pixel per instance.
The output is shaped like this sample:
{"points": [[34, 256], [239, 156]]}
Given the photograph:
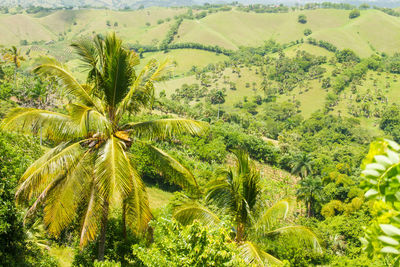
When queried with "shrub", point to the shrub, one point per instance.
{"points": [[354, 13], [194, 245], [302, 19], [307, 32]]}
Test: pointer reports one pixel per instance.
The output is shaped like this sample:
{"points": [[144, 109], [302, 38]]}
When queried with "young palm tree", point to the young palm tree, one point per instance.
{"points": [[309, 191], [14, 55], [90, 170], [302, 165], [237, 193]]}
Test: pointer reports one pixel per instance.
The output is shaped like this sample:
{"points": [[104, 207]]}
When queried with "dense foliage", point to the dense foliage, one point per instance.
{"points": [[296, 198]]}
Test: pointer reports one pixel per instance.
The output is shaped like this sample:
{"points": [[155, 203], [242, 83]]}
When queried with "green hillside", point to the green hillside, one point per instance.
{"points": [[373, 30]]}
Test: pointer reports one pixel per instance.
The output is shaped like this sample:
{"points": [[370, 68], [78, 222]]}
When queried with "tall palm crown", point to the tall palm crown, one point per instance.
{"points": [[91, 167]]}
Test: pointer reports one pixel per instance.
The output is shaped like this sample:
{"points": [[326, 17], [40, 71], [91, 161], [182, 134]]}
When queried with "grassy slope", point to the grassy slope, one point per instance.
{"points": [[131, 24], [64, 255], [186, 58], [22, 27], [372, 30]]}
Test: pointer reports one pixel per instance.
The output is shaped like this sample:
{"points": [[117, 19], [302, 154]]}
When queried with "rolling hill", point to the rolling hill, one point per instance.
{"points": [[372, 31]]}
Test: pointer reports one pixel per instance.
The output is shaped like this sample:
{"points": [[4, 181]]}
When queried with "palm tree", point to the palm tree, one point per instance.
{"points": [[309, 191], [14, 55], [91, 166], [302, 165], [218, 97], [237, 193]]}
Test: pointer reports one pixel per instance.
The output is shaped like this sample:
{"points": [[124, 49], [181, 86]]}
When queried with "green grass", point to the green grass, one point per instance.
{"points": [[185, 58], [314, 50], [71, 24], [64, 255], [311, 100], [158, 198], [232, 97], [373, 30]]}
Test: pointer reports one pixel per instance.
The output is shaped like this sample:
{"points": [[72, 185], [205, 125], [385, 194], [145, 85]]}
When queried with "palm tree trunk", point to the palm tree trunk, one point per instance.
{"points": [[41, 134], [240, 232], [102, 241], [15, 79], [309, 209], [124, 220]]}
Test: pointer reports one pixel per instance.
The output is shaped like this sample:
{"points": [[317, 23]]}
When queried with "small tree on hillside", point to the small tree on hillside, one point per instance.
{"points": [[302, 19], [217, 97], [307, 32], [354, 13]]}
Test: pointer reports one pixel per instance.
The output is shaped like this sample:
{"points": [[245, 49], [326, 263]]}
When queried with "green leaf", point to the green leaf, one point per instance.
{"points": [[393, 144], [371, 192], [388, 240], [376, 166], [390, 230], [370, 173], [381, 159], [393, 156], [390, 250]]}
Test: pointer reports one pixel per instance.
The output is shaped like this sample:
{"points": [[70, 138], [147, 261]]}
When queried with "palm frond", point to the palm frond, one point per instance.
{"points": [[112, 169], [42, 197], [165, 128], [191, 211], [118, 73], [300, 234], [271, 217], [137, 208], [91, 220], [141, 93], [221, 193], [252, 254], [62, 201], [30, 119], [89, 119], [47, 168], [175, 171], [53, 68], [87, 52]]}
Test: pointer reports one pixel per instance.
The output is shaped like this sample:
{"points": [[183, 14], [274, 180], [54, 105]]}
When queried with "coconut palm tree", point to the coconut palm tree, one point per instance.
{"points": [[14, 56], [217, 97], [302, 165], [310, 191], [237, 194], [90, 170]]}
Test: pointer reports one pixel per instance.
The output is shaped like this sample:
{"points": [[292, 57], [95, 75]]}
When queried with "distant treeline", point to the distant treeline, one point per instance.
{"points": [[259, 8], [324, 44], [152, 48]]}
